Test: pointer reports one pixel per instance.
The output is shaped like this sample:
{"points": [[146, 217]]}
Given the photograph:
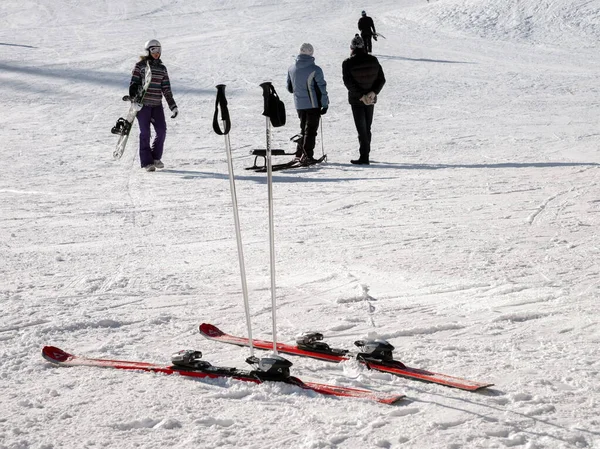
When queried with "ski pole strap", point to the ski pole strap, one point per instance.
{"points": [[221, 102]]}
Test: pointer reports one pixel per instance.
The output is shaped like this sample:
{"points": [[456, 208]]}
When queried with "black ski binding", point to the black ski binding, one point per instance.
{"points": [[188, 358], [311, 341], [270, 367], [122, 127], [375, 351]]}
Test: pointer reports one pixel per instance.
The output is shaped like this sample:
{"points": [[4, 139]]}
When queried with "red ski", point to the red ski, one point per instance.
{"points": [[206, 370], [322, 351]]}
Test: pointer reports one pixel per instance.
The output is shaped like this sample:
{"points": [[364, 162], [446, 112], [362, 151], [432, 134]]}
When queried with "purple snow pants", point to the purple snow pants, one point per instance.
{"points": [[156, 116]]}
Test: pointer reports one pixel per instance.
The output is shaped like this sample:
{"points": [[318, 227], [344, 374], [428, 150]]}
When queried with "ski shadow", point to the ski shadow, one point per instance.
{"points": [[17, 45], [492, 392], [404, 58], [500, 165]]}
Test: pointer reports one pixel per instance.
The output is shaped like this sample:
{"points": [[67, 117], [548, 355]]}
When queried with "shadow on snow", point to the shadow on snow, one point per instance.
{"points": [[17, 45], [403, 58], [261, 178], [116, 79], [400, 166]]}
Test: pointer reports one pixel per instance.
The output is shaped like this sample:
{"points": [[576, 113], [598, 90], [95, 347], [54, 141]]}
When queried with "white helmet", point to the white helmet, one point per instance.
{"points": [[151, 43]]}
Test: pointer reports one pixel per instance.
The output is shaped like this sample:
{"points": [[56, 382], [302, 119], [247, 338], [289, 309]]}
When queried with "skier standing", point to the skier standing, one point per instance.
{"points": [[367, 31], [152, 111], [306, 81], [364, 79]]}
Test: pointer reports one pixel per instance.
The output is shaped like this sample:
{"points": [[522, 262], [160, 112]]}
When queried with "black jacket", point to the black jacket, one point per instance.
{"points": [[366, 25], [362, 74]]}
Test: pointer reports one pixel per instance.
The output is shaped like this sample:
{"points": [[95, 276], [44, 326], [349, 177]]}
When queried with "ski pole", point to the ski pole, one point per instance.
{"points": [[267, 89], [271, 237], [221, 102], [322, 143]]}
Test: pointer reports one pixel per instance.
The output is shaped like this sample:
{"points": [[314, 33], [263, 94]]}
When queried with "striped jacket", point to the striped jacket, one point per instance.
{"points": [[159, 86], [306, 81]]}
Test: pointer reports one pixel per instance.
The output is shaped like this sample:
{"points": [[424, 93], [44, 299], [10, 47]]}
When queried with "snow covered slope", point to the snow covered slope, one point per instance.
{"points": [[558, 23], [471, 242]]}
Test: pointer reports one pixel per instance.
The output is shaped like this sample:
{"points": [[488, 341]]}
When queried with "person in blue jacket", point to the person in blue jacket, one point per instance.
{"points": [[306, 81]]}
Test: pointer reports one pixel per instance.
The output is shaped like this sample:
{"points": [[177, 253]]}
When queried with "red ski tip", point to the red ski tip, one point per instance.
{"points": [[54, 354], [210, 330]]}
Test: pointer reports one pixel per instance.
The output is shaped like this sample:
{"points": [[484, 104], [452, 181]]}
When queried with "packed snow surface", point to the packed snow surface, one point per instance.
{"points": [[470, 243]]}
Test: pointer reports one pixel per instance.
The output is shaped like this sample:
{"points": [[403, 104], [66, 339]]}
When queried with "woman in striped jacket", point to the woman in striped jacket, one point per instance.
{"points": [[152, 111]]}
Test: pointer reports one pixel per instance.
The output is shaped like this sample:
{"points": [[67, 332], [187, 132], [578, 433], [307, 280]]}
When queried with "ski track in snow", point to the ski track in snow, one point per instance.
{"points": [[470, 243]]}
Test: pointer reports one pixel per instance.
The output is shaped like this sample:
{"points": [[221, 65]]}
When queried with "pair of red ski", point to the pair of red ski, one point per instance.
{"points": [[205, 370]]}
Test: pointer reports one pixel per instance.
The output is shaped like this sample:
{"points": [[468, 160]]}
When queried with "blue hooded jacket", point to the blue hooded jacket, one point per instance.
{"points": [[306, 81]]}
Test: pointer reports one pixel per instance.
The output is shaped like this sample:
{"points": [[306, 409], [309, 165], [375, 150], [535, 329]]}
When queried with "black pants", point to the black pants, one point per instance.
{"points": [[368, 42], [309, 125], [363, 118]]}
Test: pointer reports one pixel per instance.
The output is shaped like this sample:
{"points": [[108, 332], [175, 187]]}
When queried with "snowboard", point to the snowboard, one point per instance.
{"points": [[123, 126]]}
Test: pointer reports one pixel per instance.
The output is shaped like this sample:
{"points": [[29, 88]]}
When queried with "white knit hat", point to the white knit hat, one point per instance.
{"points": [[306, 49]]}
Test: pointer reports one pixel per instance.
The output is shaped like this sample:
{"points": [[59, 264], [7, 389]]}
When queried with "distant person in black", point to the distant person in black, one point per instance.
{"points": [[364, 79], [367, 31]]}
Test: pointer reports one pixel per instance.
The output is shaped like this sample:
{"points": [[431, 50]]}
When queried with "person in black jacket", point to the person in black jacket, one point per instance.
{"points": [[364, 79], [367, 31]]}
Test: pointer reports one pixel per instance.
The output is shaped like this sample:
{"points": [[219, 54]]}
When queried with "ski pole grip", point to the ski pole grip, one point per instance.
{"points": [[267, 89], [274, 108], [221, 103]]}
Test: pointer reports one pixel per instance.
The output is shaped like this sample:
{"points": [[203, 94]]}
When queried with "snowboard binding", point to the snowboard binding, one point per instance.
{"points": [[122, 127], [188, 358]]}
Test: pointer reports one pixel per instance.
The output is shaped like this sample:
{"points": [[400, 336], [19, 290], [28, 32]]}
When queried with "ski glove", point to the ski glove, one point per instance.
{"points": [[375, 36], [324, 110], [175, 112], [133, 90]]}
